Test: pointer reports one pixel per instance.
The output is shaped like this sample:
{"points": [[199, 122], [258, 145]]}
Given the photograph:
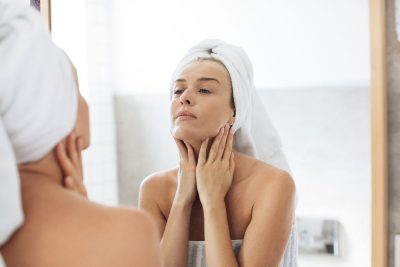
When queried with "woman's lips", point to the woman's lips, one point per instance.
{"points": [[185, 116]]}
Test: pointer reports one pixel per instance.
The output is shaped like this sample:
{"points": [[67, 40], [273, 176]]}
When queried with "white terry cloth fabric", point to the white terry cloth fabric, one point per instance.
{"points": [[197, 251], [38, 101], [255, 135]]}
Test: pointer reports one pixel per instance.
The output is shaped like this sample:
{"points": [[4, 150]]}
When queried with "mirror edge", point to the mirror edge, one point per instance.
{"points": [[379, 134], [45, 11]]}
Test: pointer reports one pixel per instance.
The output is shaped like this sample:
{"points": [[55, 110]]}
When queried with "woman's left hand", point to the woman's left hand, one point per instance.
{"points": [[214, 173]]}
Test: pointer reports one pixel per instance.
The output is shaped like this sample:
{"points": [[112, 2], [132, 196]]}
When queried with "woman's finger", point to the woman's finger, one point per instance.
{"points": [[70, 183], [222, 145], [228, 146], [203, 152], [181, 148], [215, 145], [79, 147], [232, 163], [63, 159], [191, 157], [71, 148]]}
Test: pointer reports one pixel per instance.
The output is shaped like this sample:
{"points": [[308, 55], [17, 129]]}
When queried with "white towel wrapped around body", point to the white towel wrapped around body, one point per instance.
{"points": [[38, 101]]}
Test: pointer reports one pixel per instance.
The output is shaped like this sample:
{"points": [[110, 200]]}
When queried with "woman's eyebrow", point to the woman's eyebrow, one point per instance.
{"points": [[202, 79]]}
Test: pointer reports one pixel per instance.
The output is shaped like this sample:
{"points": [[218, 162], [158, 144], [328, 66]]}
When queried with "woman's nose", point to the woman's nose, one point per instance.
{"points": [[186, 98]]}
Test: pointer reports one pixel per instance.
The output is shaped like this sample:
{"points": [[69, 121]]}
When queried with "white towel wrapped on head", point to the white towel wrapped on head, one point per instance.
{"points": [[255, 135], [38, 101]]}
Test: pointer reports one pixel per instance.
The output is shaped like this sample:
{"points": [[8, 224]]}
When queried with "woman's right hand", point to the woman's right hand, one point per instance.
{"points": [[69, 156], [186, 191]]}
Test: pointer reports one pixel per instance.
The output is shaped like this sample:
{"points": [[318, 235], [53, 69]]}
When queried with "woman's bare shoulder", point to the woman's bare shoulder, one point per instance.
{"points": [[274, 183], [267, 176], [85, 230], [160, 180], [131, 234]]}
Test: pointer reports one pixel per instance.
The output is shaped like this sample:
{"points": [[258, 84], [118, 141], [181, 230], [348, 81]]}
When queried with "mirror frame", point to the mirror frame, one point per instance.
{"points": [[379, 133], [45, 11]]}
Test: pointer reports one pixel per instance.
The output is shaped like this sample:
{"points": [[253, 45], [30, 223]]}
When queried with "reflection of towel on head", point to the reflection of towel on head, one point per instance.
{"points": [[255, 135], [38, 102]]}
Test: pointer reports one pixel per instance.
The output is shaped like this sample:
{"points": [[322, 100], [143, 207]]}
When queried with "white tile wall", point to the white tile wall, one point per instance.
{"points": [[100, 158]]}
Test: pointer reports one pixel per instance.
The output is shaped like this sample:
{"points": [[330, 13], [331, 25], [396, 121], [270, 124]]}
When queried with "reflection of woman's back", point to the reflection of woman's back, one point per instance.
{"points": [[221, 207], [39, 108]]}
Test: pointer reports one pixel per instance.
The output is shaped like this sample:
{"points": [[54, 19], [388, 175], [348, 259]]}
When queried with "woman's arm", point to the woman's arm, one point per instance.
{"points": [[267, 234], [214, 176], [272, 216], [175, 231], [218, 241]]}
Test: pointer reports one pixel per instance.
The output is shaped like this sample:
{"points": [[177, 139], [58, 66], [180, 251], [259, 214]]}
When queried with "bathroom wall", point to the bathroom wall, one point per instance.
{"points": [[393, 64], [100, 159], [292, 44], [326, 137], [87, 40]]}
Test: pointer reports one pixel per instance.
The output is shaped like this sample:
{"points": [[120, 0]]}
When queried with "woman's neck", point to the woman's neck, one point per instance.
{"points": [[196, 145], [47, 169]]}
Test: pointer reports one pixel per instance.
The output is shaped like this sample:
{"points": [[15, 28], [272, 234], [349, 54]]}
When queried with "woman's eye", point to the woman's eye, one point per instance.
{"points": [[178, 91], [204, 91]]}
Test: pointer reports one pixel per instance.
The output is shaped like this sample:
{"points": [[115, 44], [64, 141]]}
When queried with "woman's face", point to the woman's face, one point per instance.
{"points": [[201, 102]]}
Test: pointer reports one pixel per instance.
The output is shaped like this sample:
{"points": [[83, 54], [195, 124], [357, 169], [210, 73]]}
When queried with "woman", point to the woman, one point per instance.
{"points": [[226, 199], [42, 115], [222, 207]]}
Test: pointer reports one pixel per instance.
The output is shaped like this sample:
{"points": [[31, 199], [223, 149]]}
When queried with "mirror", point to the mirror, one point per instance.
{"points": [[311, 65]]}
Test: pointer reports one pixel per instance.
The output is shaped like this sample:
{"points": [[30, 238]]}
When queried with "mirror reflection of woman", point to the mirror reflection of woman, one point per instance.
{"points": [[229, 202]]}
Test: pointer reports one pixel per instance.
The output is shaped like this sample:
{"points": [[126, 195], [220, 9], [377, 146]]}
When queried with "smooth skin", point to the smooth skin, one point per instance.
{"points": [[63, 228], [216, 194]]}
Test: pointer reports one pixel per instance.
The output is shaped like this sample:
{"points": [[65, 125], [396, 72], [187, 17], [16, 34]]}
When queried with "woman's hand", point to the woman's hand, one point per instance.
{"points": [[186, 191], [69, 156], [214, 174]]}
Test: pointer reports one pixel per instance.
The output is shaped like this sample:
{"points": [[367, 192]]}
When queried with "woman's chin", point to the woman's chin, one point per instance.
{"points": [[184, 133]]}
